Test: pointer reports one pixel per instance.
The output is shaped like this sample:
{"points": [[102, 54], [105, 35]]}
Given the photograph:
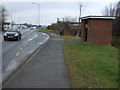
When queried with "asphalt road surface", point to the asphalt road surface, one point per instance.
{"points": [[13, 52], [46, 69]]}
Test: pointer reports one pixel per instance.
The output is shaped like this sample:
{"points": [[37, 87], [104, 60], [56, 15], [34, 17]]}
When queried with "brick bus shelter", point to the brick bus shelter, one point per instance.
{"points": [[97, 29]]}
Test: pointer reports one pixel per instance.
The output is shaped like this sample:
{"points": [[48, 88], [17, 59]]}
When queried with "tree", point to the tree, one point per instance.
{"points": [[0, 18], [3, 16], [116, 28], [110, 10], [114, 10], [66, 24], [70, 19], [118, 10]]}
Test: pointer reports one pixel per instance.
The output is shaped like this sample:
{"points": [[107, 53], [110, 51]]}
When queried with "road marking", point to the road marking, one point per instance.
{"points": [[33, 37], [45, 34], [12, 65], [17, 54]]}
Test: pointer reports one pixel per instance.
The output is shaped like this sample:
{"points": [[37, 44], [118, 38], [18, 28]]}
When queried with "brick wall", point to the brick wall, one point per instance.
{"points": [[99, 31], [83, 31]]}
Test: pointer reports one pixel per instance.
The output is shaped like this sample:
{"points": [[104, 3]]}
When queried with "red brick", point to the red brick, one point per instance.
{"points": [[99, 31]]}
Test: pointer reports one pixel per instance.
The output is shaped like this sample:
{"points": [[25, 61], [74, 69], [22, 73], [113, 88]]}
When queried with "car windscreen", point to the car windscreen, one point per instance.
{"points": [[12, 30]]}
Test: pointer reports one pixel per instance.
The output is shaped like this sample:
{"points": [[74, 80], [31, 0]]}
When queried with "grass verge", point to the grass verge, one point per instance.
{"points": [[70, 38], [92, 66], [47, 30]]}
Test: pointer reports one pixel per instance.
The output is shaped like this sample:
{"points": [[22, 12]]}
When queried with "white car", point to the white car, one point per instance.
{"points": [[33, 28]]}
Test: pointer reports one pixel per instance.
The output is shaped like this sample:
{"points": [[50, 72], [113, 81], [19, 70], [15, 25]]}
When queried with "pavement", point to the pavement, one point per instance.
{"points": [[45, 69]]}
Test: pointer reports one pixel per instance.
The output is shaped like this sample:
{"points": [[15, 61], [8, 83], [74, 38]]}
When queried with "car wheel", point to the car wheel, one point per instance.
{"points": [[17, 38], [5, 39], [20, 37]]}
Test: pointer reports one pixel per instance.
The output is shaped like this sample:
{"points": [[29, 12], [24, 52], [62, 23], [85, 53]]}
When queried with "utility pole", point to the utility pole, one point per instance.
{"points": [[11, 19], [57, 20], [79, 20], [38, 12], [63, 27], [80, 13]]}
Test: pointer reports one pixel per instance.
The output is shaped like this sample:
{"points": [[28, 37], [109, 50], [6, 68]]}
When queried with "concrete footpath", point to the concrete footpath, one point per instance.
{"points": [[46, 69]]}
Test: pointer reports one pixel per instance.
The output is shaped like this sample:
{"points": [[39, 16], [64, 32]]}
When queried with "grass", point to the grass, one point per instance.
{"points": [[70, 38], [45, 29], [92, 66]]}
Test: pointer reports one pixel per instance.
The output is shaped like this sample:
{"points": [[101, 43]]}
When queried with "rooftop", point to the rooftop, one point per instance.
{"points": [[98, 17]]}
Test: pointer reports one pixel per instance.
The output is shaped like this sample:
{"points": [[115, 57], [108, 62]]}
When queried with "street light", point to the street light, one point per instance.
{"points": [[79, 21], [80, 12], [38, 12]]}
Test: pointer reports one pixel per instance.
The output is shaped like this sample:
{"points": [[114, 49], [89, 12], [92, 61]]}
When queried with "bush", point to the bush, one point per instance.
{"points": [[116, 33]]}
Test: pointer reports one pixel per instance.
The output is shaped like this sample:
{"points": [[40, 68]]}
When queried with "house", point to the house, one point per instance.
{"points": [[97, 29]]}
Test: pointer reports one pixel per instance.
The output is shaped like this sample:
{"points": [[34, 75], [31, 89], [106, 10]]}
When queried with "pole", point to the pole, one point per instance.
{"points": [[80, 11], [63, 27], [79, 21], [39, 14], [11, 18]]}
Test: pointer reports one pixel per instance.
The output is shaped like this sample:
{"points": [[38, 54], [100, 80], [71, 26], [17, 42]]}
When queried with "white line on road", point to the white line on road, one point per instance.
{"points": [[45, 34], [33, 38], [17, 54], [13, 64]]}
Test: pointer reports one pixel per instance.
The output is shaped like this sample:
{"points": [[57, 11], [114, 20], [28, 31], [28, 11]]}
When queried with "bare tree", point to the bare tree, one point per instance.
{"points": [[67, 24], [67, 20], [0, 18], [109, 10], [116, 28], [3, 16], [118, 10], [114, 10], [70, 19]]}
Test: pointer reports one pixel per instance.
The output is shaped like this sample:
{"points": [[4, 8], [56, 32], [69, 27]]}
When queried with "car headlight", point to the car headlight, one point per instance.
{"points": [[16, 34], [5, 34]]}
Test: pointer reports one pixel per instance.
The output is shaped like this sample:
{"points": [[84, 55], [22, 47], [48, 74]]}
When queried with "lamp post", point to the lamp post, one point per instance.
{"points": [[80, 12], [79, 21], [11, 19], [62, 27], [38, 12]]}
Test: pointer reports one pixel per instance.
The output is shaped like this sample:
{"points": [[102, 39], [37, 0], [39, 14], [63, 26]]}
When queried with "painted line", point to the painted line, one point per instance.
{"points": [[33, 38], [13, 64], [17, 54]]}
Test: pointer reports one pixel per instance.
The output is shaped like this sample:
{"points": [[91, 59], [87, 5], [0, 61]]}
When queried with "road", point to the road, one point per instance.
{"points": [[15, 52], [46, 69]]}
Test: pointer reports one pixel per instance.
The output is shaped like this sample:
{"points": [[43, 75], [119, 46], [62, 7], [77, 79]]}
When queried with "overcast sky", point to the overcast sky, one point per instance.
{"points": [[23, 11]]}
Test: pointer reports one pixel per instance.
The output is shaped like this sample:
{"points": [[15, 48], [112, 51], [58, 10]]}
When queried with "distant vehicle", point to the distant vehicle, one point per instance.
{"points": [[13, 34], [33, 28]]}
